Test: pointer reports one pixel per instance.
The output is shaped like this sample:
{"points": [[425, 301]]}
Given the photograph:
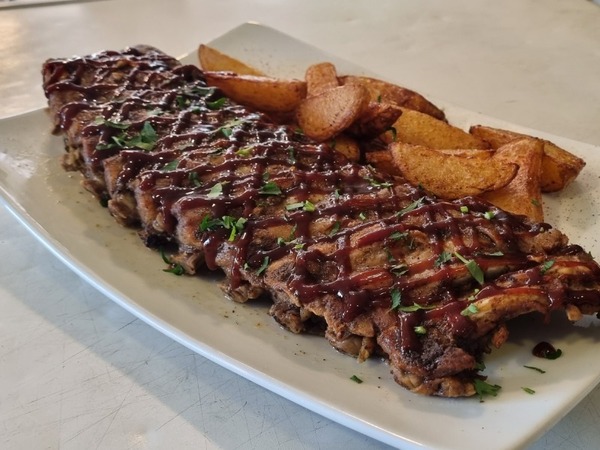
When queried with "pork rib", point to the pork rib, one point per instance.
{"points": [[376, 265]]}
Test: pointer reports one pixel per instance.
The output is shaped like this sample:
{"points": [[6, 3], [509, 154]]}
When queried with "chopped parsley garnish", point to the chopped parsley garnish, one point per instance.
{"points": [[443, 258], [546, 266], [263, 266], [469, 310], [397, 235], [472, 267], [420, 329], [415, 307], [172, 165], [537, 369], [396, 298], [217, 104], [111, 124], [182, 102], [215, 191], [414, 205], [362, 216], [145, 140], [335, 228], [534, 202], [269, 188], [498, 253], [305, 205], [379, 184], [244, 152], [464, 209], [489, 215], [235, 225], [356, 379], [483, 388], [528, 390], [399, 269], [195, 179], [174, 268]]}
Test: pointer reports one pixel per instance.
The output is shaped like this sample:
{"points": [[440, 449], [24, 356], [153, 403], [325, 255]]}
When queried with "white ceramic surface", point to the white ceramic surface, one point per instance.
{"points": [[244, 339]]}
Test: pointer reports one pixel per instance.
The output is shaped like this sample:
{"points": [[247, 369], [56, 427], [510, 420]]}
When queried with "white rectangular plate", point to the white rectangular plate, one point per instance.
{"points": [[305, 369]]}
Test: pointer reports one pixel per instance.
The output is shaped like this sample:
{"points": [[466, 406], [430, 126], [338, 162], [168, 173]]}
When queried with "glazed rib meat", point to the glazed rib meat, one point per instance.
{"points": [[379, 267]]}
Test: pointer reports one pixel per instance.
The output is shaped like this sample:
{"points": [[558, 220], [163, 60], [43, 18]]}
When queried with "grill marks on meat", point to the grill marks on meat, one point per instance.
{"points": [[374, 264]]}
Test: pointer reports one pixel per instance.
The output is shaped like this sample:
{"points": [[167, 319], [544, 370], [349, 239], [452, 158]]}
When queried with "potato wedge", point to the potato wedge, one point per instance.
{"points": [[323, 116], [451, 176], [414, 127], [382, 91], [213, 60], [263, 93], [559, 167], [320, 78], [523, 194], [347, 146], [375, 119]]}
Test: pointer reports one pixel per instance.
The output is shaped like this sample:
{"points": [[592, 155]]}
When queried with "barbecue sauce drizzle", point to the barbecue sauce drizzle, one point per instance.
{"points": [[242, 150]]}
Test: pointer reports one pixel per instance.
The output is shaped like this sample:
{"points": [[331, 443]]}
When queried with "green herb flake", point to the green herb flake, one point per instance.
{"points": [[483, 388], [362, 216], [208, 223], [489, 215], [537, 369], [244, 152], [443, 258], [528, 390], [546, 266], [269, 188], [111, 124], [414, 205], [396, 298], [534, 202], [263, 266], [472, 267], [415, 307], [194, 179], [147, 138], [379, 184], [399, 269], [335, 228], [217, 104], [397, 235], [215, 191], [172, 165], [464, 209], [174, 268], [469, 310], [420, 329], [356, 379]]}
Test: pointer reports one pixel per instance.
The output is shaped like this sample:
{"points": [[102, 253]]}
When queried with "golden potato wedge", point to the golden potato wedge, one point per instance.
{"points": [[263, 93], [559, 167], [320, 78], [451, 176], [375, 119], [213, 60], [323, 116], [347, 146], [382, 91], [523, 194], [414, 127]]}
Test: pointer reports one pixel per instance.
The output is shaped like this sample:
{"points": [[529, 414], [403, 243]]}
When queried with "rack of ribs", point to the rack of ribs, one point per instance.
{"points": [[379, 267]]}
